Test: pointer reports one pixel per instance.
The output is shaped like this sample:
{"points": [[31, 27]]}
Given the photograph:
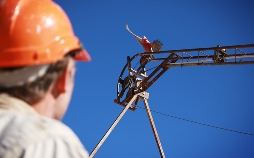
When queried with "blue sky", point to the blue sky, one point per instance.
{"points": [[216, 95]]}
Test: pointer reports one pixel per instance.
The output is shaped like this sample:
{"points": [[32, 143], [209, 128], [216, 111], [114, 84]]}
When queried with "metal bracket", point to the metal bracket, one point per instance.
{"points": [[143, 95]]}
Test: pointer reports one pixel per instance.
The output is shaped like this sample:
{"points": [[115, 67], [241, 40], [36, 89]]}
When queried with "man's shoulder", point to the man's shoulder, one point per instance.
{"points": [[26, 128], [23, 122], [20, 132]]}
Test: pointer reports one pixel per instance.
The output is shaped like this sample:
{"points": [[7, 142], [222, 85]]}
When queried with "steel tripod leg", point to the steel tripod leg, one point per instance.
{"points": [[112, 126], [155, 133]]}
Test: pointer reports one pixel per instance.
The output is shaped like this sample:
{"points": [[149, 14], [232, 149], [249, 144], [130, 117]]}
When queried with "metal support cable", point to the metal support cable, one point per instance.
{"points": [[199, 123]]}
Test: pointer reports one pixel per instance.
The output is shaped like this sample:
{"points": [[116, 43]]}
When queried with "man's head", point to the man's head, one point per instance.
{"points": [[37, 53]]}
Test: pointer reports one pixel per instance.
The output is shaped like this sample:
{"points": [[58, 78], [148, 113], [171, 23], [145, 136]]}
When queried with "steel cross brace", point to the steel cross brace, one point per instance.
{"points": [[141, 95], [155, 133]]}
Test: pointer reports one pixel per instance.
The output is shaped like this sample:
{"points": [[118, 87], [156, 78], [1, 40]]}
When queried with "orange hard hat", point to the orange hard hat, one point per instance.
{"points": [[34, 32]]}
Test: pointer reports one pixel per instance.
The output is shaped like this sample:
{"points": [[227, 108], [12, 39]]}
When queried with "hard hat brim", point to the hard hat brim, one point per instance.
{"points": [[82, 56]]}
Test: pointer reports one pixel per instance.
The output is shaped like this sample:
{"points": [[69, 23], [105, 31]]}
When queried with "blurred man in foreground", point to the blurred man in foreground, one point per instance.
{"points": [[38, 50]]}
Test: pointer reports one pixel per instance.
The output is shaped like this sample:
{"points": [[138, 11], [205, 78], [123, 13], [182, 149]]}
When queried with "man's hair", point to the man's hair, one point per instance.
{"points": [[35, 91]]}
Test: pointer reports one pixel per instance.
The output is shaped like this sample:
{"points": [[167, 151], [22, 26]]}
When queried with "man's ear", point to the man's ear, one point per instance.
{"points": [[63, 82]]}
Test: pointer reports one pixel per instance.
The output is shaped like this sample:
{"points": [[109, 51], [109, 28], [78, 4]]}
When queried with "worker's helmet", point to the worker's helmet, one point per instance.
{"points": [[34, 32]]}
